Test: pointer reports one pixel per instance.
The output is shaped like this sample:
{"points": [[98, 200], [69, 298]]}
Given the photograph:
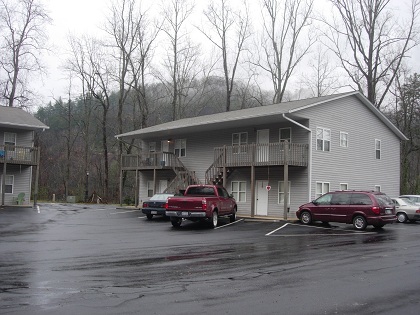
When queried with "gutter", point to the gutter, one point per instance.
{"points": [[309, 153]]}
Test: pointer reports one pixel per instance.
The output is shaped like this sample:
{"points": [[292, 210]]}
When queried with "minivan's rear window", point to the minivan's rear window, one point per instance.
{"points": [[383, 200]]}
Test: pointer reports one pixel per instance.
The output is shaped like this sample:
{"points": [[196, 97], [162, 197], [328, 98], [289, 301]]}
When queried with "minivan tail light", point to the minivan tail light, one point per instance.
{"points": [[418, 211], [376, 210]]}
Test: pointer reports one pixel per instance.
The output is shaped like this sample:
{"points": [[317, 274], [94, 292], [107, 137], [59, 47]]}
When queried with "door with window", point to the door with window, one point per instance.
{"points": [[165, 153], [263, 139]]}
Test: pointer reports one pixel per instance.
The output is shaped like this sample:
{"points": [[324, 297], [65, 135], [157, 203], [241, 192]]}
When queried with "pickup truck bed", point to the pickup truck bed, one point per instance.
{"points": [[201, 203]]}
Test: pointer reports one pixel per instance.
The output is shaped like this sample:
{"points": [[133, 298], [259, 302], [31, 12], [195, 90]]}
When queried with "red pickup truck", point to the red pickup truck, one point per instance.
{"points": [[201, 202]]}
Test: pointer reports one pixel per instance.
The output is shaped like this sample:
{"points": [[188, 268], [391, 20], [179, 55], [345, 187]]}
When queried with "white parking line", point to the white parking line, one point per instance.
{"points": [[277, 229], [316, 227], [222, 226]]}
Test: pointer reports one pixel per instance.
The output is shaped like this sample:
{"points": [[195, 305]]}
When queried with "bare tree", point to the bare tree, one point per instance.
{"points": [[90, 61], [322, 78], [285, 22], [182, 57], [23, 38], [370, 43], [227, 28]]}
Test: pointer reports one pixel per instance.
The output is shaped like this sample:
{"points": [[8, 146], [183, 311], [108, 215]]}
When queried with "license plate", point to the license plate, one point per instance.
{"points": [[388, 211], [153, 212], [184, 213]]}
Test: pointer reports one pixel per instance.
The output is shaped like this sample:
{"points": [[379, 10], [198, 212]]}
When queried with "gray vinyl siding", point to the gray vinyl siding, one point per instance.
{"points": [[22, 182], [24, 138], [355, 165], [298, 189]]}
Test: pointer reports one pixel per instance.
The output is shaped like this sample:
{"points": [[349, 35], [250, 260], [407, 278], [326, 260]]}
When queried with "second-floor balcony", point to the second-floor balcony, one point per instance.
{"points": [[282, 153], [20, 155]]}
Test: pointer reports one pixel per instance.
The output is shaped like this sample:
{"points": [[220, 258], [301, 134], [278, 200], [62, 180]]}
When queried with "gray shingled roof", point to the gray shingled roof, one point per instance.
{"points": [[255, 115], [14, 117]]}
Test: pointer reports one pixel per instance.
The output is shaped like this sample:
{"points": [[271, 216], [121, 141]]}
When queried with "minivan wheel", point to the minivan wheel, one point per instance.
{"points": [[306, 217], [359, 223], [401, 217]]}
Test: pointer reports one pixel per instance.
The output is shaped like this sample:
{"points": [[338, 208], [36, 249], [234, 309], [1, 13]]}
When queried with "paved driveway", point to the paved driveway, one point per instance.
{"points": [[96, 259]]}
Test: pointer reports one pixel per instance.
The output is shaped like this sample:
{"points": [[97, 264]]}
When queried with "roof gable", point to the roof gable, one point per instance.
{"points": [[14, 117]]}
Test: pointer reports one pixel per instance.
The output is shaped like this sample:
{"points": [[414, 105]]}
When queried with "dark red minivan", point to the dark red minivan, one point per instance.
{"points": [[359, 208]]}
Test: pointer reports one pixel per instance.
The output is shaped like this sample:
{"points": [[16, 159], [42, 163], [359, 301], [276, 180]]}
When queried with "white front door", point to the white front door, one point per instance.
{"points": [[261, 197], [263, 139]]}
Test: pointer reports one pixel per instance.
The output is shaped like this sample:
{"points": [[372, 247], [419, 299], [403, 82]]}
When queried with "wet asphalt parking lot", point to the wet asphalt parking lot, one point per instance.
{"points": [[98, 259]]}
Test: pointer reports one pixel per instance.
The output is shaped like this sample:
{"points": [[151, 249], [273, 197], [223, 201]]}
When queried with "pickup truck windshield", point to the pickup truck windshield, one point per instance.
{"points": [[200, 191]]}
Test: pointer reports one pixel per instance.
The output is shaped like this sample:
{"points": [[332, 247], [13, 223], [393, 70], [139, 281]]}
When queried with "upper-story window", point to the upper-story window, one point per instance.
{"points": [[10, 139], [323, 139], [152, 146], [285, 134], [181, 147], [238, 139], [377, 149], [344, 139]]}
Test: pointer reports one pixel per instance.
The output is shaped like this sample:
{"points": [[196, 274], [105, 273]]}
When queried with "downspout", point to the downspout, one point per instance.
{"points": [[309, 153]]}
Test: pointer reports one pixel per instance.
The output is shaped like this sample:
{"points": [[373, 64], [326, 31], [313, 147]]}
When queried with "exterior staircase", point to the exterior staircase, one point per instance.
{"points": [[183, 178]]}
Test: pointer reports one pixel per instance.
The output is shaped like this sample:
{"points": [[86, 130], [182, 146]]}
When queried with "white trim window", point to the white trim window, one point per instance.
{"points": [[344, 186], [239, 191], [152, 147], [378, 149], [321, 188], [377, 187], [281, 193], [239, 139], [9, 181], [10, 140], [180, 147], [344, 139], [285, 134], [323, 139]]}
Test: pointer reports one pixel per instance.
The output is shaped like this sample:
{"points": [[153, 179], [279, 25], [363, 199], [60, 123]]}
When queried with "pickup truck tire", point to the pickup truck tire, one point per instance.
{"points": [[232, 218], [214, 219], [176, 222]]}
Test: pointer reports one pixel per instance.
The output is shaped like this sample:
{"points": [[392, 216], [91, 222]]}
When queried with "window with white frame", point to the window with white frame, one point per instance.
{"points": [[344, 139], [8, 184], [181, 147], [239, 191], [344, 186], [323, 139], [377, 188], [285, 134], [281, 193], [239, 139], [10, 140], [152, 146], [321, 188], [377, 149]]}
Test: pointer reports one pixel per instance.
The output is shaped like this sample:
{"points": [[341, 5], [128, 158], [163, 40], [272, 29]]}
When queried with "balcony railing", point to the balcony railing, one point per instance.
{"points": [[150, 160], [18, 155], [261, 155]]}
